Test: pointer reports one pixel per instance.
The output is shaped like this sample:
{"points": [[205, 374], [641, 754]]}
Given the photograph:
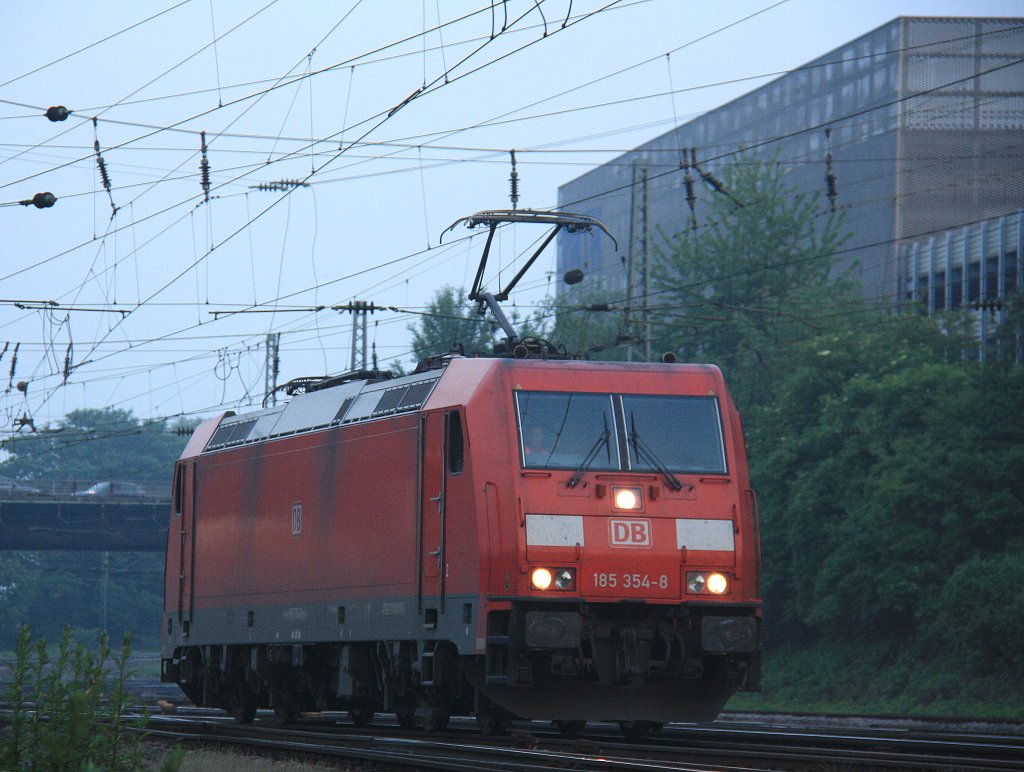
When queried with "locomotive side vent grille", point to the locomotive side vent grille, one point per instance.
{"points": [[321, 409], [389, 401], [404, 398], [416, 395], [344, 409], [375, 404], [231, 434]]}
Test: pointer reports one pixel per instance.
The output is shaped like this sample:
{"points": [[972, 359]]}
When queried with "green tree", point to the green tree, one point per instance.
{"points": [[451, 320], [887, 471], [97, 444], [591, 327], [83, 589], [752, 281]]}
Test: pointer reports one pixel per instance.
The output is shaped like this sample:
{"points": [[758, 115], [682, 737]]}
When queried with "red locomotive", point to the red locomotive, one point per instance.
{"points": [[529, 537]]}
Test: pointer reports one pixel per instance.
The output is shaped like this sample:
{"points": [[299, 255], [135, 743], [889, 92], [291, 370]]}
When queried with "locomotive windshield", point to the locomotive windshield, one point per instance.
{"points": [[567, 430], [558, 430]]}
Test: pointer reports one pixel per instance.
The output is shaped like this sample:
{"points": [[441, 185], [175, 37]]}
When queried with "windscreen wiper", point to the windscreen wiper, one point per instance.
{"points": [[646, 451], [603, 439]]}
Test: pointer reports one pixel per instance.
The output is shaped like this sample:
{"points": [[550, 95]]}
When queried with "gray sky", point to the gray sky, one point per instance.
{"points": [[320, 92]]}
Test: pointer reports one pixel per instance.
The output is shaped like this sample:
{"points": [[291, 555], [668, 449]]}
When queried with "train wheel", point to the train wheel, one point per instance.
{"points": [[637, 730], [493, 720], [406, 718], [243, 706], [361, 715], [570, 728], [285, 714], [284, 707], [434, 718]]}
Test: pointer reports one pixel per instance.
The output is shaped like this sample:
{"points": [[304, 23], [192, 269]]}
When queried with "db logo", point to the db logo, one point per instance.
{"points": [[630, 533]]}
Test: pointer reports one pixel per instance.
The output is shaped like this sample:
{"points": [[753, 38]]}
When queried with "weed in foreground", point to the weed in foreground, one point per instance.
{"points": [[66, 709]]}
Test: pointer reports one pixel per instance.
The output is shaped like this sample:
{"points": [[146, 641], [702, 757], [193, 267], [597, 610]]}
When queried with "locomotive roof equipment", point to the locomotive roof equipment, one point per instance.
{"points": [[567, 221]]}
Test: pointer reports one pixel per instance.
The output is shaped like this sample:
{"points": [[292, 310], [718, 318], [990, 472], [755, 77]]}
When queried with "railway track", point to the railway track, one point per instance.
{"points": [[722, 745]]}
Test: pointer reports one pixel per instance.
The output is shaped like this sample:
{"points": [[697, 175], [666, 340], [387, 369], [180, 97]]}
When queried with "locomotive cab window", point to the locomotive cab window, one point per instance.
{"points": [[560, 430], [682, 433], [456, 444], [620, 432]]}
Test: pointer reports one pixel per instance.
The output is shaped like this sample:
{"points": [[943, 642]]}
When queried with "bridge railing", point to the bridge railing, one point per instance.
{"points": [[76, 487]]}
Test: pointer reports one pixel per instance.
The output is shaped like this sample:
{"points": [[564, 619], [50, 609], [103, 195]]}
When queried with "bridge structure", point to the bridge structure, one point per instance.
{"points": [[54, 522]]}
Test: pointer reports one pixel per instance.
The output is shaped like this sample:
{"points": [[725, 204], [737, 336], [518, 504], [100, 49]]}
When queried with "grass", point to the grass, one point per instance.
{"points": [[66, 704], [224, 761], [881, 680]]}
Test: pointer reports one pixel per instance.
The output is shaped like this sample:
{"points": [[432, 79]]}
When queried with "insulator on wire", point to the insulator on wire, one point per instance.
{"points": [[204, 167], [991, 305], [14, 365], [104, 177], [279, 185], [67, 363], [57, 113], [830, 177], [40, 200], [102, 165], [359, 307], [711, 180], [691, 197], [514, 181]]}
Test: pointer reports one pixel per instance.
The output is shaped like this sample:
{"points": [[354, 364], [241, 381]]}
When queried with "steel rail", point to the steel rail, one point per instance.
{"points": [[678, 747], [434, 752]]}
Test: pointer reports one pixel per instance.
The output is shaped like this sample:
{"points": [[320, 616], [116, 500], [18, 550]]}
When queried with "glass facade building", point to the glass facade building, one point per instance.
{"points": [[978, 267], [924, 120]]}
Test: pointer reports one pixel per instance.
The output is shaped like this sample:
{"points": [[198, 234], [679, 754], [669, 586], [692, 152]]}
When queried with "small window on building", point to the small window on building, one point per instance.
{"points": [[973, 283], [1010, 280], [991, 278], [939, 291], [958, 286], [922, 287], [456, 443]]}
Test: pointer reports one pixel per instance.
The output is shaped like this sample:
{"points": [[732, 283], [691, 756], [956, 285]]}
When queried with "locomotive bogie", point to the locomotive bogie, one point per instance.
{"points": [[567, 540]]}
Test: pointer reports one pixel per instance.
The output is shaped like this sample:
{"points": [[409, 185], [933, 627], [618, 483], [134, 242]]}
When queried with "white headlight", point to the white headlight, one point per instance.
{"points": [[717, 584], [541, 578], [626, 498], [712, 582]]}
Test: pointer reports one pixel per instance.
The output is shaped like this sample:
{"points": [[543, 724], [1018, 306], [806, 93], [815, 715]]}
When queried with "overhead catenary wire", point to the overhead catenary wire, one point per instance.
{"points": [[762, 75], [155, 129], [95, 43], [257, 216]]}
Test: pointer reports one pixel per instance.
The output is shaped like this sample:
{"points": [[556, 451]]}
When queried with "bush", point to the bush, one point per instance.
{"points": [[66, 711]]}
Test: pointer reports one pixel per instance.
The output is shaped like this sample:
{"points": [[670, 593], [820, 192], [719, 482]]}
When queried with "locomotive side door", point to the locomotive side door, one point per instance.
{"points": [[430, 526]]}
